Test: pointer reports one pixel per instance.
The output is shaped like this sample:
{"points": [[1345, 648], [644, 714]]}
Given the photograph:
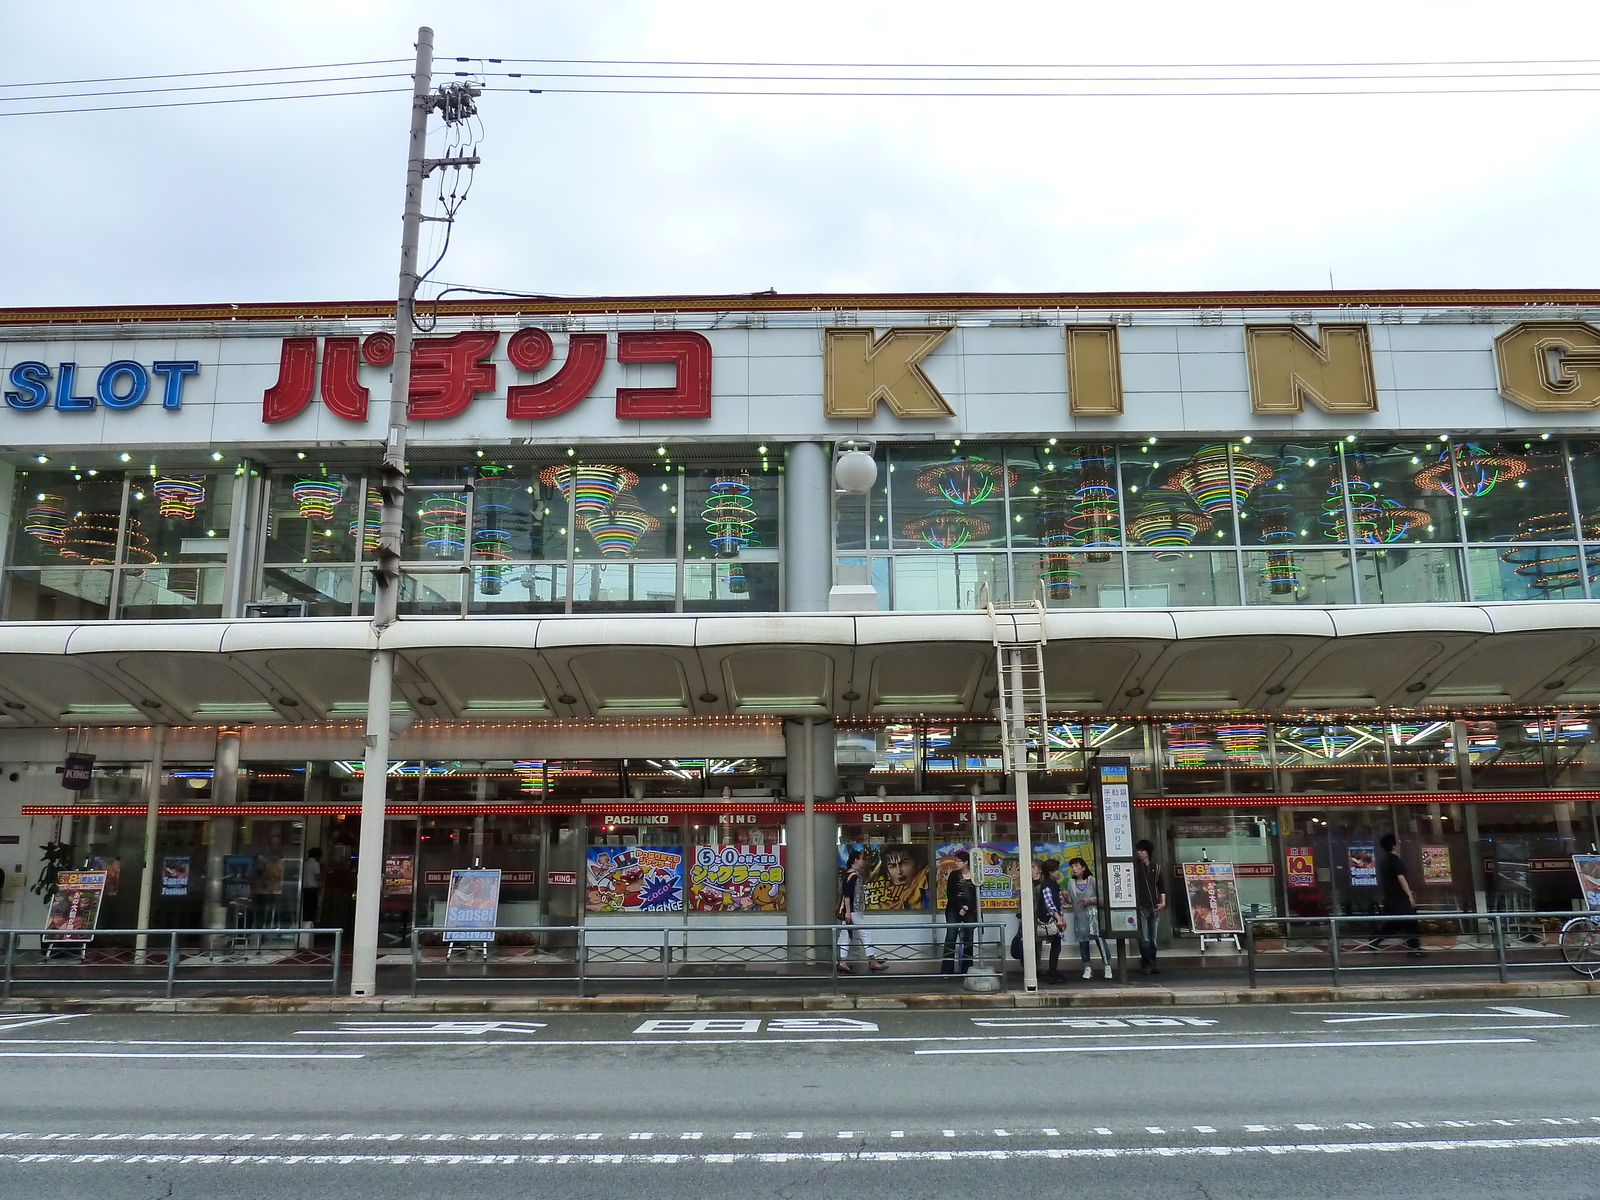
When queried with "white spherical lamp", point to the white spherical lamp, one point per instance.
{"points": [[855, 471]]}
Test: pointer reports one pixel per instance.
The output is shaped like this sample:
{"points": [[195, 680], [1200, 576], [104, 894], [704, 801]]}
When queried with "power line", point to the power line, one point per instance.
{"points": [[1037, 78], [200, 87], [1037, 95], [626, 62], [46, 112], [371, 62]]}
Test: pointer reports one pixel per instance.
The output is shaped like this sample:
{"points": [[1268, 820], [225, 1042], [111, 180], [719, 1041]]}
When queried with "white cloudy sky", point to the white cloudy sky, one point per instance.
{"points": [[587, 194]]}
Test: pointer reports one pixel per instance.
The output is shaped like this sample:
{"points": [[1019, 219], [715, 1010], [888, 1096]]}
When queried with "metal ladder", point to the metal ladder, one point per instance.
{"points": [[1019, 641]]}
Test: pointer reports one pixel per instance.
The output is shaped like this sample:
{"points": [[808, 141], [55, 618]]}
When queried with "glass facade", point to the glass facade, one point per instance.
{"points": [[1167, 523]]}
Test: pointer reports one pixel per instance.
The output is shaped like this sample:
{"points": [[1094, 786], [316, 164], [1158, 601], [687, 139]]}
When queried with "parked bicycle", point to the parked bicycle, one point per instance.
{"points": [[1580, 944]]}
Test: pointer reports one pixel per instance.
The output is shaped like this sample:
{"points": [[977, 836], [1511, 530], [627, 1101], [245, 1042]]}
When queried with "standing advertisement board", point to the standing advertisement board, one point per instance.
{"points": [[1212, 890], [1588, 868], [1111, 791], [75, 908], [473, 905]]}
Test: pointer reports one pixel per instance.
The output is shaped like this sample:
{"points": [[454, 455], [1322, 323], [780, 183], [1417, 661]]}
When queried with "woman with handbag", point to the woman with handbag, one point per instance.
{"points": [[1051, 924], [1085, 906]]}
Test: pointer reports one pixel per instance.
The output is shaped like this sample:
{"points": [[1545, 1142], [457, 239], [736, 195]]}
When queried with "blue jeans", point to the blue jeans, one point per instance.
{"points": [[1149, 925]]}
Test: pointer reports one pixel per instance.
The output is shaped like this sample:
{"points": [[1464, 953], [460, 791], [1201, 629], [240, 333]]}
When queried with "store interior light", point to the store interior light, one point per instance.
{"points": [[216, 456], [41, 458]]}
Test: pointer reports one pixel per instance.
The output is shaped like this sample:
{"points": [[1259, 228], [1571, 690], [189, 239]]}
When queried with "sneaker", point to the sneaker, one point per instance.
{"points": [[1088, 972], [1108, 971]]}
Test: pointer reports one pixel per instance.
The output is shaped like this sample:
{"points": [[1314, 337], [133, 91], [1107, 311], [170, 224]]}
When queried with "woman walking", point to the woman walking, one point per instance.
{"points": [[1051, 921], [849, 912], [1085, 905]]}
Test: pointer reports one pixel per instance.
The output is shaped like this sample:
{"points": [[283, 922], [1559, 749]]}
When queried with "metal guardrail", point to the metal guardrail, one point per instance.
{"points": [[1535, 933], [585, 954], [165, 958]]}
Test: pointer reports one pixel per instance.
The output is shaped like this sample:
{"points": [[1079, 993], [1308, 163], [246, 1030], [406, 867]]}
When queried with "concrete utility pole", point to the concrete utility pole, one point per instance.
{"points": [[386, 572]]}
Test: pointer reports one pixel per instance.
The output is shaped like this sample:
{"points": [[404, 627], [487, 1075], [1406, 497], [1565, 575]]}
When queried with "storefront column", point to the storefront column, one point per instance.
{"points": [[152, 792], [224, 790], [813, 774], [806, 547], [1480, 880]]}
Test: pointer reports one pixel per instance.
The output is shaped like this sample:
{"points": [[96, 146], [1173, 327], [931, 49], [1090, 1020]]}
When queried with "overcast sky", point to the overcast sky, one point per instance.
{"points": [[601, 195]]}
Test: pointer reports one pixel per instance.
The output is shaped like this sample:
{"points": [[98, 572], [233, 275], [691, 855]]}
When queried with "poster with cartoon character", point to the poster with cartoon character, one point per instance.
{"points": [[634, 879], [727, 878]]}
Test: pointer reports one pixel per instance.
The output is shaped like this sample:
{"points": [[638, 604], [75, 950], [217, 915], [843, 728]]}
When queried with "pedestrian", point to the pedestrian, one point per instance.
{"points": [[960, 915], [849, 913], [1398, 898], [311, 885], [1085, 904], [1150, 897], [1047, 912]]}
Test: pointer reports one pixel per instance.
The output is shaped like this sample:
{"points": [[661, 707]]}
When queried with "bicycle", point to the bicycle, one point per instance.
{"points": [[1580, 945]]}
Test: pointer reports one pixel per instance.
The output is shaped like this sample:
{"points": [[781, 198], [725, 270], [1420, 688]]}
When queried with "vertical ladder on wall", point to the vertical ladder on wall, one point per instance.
{"points": [[1019, 642]]}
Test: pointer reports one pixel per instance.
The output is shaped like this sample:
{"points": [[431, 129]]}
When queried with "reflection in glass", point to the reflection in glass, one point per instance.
{"points": [[1399, 575], [1178, 580], [431, 595], [1185, 476], [1525, 573], [927, 582], [1404, 478], [623, 514], [325, 590], [520, 588], [312, 516], [178, 517], [946, 502], [157, 592], [1286, 506], [58, 594], [1319, 577], [1073, 580], [730, 587], [624, 587], [1510, 491]]}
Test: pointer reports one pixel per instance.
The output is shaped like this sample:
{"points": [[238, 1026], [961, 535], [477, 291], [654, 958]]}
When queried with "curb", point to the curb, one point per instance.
{"points": [[1115, 997]]}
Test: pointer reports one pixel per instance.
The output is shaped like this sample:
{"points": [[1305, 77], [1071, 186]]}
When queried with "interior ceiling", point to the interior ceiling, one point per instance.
{"points": [[884, 664]]}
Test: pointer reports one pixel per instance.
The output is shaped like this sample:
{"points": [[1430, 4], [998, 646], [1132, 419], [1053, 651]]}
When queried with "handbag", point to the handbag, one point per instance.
{"points": [[1046, 929]]}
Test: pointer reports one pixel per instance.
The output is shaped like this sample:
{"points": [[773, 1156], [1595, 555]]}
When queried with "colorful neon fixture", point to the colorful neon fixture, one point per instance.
{"points": [[491, 537], [47, 519], [443, 519], [369, 526], [317, 498], [1166, 523], [617, 530], [1206, 480], [1188, 743], [590, 488], [1477, 471], [729, 515], [946, 528], [1244, 744], [1550, 570], [965, 480], [1092, 521], [530, 774], [734, 579], [180, 496]]}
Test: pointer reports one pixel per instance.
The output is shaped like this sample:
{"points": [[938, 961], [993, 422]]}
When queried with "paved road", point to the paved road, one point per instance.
{"points": [[1367, 1100]]}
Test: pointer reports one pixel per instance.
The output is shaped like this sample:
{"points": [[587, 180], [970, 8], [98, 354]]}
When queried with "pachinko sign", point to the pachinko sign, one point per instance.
{"points": [[737, 879], [634, 879]]}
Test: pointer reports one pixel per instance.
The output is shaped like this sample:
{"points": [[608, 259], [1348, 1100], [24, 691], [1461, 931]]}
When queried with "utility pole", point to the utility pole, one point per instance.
{"points": [[456, 103]]}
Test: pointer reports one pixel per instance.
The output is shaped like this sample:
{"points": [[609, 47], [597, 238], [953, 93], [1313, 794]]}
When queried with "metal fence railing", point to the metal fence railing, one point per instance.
{"points": [[586, 955], [167, 958], [1502, 942]]}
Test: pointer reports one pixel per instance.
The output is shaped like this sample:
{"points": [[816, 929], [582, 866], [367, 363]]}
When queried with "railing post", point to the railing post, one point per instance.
{"points": [[1500, 947], [1250, 949], [11, 947], [172, 961], [338, 957], [666, 957], [416, 960], [583, 954], [1333, 945]]}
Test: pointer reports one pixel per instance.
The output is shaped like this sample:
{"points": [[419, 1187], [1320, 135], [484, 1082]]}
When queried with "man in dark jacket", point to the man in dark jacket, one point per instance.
{"points": [[1150, 894], [960, 914], [1398, 898]]}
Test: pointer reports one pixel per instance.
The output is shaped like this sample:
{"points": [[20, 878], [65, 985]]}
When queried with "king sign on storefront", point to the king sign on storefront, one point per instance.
{"points": [[528, 384]]}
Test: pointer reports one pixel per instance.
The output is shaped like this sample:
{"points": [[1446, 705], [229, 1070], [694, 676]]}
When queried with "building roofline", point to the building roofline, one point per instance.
{"points": [[803, 302]]}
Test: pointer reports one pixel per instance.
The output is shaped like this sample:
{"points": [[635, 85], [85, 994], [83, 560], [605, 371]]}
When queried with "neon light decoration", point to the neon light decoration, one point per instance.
{"points": [[1092, 519], [1245, 745], [180, 496], [1205, 478], [1166, 523], [596, 486], [965, 480], [729, 515], [47, 519], [444, 524], [734, 579], [1061, 575], [91, 537], [946, 528], [1477, 471], [1550, 570], [369, 526], [1188, 744], [530, 774], [617, 530], [491, 535], [317, 498], [1372, 518]]}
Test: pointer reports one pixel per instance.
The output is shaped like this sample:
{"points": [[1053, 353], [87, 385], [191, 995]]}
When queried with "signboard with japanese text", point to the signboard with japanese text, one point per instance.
{"points": [[1112, 796], [1436, 864], [997, 871], [634, 879], [729, 878], [473, 905], [1213, 894], [1302, 864], [75, 908], [895, 875], [398, 875]]}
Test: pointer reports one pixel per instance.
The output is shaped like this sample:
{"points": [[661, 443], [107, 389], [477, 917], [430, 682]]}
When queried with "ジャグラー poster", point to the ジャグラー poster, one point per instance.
{"points": [[1213, 894], [398, 875], [632, 879], [727, 878], [75, 908], [472, 905], [896, 875], [1363, 865], [1436, 864]]}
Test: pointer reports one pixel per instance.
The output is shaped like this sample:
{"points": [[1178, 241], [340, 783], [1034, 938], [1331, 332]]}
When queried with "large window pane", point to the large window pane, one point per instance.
{"points": [[1525, 573], [623, 512], [325, 591], [1399, 575], [1073, 580], [730, 587], [1179, 579], [947, 500], [178, 517], [731, 530], [1509, 491], [58, 594], [1171, 484], [519, 588], [431, 595], [1065, 496], [1395, 493], [314, 516], [515, 517], [153, 593], [1285, 489], [624, 587], [435, 520], [929, 582], [1297, 577], [70, 517]]}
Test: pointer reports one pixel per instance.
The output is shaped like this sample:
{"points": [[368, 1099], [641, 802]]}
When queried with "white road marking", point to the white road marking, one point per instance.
{"points": [[24, 1020], [792, 1156], [1222, 1046], [1205, 1129], [1360, 1017], [457, 1028], [820, 1025], [690, 1137], [1516, 1010], [701, 1025], [123, 1056], [1091, 1022]]}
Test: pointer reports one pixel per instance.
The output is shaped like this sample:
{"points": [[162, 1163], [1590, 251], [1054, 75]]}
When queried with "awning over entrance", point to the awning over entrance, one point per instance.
{"points": [[1124, 663]]}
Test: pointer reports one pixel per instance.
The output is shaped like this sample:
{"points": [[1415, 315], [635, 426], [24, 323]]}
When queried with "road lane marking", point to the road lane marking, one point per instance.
{"points": [[24, 1020], [1224, 1046], [1092, 1022], [779, 1157], [457, 1028], [747, 1025], [123, 1056], [1367, 1016]]}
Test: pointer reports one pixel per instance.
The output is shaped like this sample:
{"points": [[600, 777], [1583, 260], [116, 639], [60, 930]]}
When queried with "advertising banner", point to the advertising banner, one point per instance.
{"points": [[632, 879], [1121, 880], [398, 875], [728, 878], [1363, 865], [895, 875], [996, 868], [1213, 893], [1436, 864], [1588, 868], [75, 908], [1302, 866], [175, 876], [77, 773], [237, 870], [472, 906], [1117, 804]]}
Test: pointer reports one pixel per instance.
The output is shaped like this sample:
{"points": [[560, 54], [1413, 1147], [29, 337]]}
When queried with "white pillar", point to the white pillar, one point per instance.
{"points": [[806, 547], [152, 792], [374, 810], [224, 790]]}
